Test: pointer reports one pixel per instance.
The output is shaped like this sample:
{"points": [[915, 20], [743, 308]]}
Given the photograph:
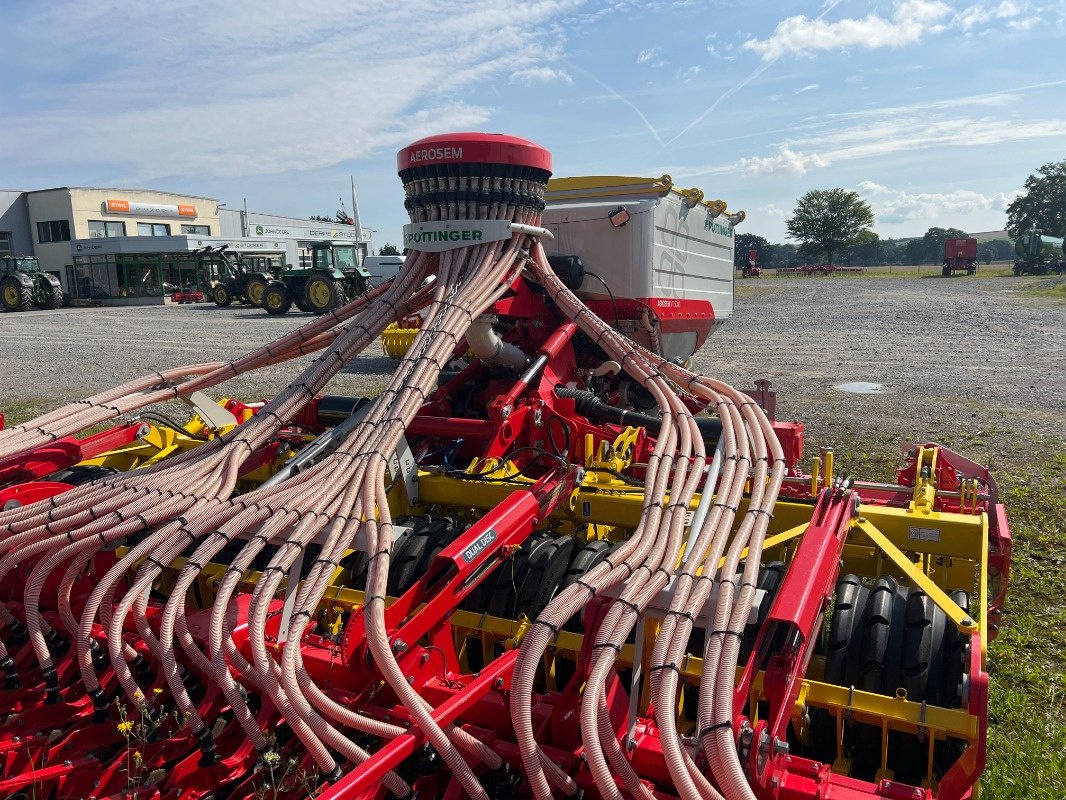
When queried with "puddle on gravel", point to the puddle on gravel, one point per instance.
{"points": [[860, 387]]}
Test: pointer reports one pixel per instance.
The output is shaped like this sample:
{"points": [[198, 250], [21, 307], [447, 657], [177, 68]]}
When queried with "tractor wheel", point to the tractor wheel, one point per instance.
{"points": [[221, 295], [83, 473], [15, 296], [276, 299], [300, 304], [946, 272], [52, 296], [320, 293], [253, 290]]}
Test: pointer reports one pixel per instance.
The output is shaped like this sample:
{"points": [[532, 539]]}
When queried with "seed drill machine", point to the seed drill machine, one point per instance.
{"points": [[547, 560]]}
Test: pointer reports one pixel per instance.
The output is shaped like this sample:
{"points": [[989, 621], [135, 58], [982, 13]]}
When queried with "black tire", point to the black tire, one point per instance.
{"points": [[585, 560], [526, 583], [946, 272], [411, 558], [956, 646], [53, 296], [842, 643], [923, 656], [276, 299], [221, 295], [301, 305], [254, 290], [79, 474], [320, 292], [881, 639], [15, 296]]}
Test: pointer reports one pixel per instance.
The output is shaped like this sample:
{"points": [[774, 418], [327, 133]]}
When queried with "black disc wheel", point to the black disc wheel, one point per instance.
{"points": [[527, 581], [79, 474], [14, 295], [276, 299], [320, 293], [412, 557], [254, 290], [221, 295]]}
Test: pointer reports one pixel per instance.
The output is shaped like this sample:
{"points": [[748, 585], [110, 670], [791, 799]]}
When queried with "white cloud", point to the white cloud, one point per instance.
{"points": [[292, 91], [897, 205], [546, 74], [810, 87], [911, 20], [785, 160], [687, 75], [972, 16], [650, 57]]}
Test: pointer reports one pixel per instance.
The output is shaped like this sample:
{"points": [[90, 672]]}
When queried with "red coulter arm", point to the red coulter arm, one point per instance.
{"points": [[786, 640]]}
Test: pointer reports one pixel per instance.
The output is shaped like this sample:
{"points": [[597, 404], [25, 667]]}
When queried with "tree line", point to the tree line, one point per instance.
{"points": [[869, 251], [834, 226]]}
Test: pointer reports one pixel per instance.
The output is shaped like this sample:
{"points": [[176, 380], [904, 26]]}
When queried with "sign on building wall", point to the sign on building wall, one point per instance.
{"points": [[149, 209], [334, 233]]}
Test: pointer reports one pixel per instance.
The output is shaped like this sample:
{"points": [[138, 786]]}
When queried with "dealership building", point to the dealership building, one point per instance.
{"points": [[129, 246]]}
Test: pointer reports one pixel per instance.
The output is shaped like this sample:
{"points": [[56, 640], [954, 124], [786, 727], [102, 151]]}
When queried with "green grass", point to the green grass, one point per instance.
{"points": [[1053, 287], [1027, 661], [25, 408]]}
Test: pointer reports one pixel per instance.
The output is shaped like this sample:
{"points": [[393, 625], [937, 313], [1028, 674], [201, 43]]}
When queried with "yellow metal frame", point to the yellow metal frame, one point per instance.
{"points": [[606, 186]]}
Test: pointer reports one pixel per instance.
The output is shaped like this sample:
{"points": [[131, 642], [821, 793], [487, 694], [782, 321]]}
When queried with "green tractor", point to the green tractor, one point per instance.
{"points": [[23, 285], [231, 279], [333, 279]]}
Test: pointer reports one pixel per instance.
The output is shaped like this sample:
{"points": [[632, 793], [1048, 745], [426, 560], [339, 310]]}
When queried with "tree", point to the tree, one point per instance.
{"points": [[914, 251], [829, 220], [748, 241], [868, 249], [1042, 205], [388, 250], [934, 242]]}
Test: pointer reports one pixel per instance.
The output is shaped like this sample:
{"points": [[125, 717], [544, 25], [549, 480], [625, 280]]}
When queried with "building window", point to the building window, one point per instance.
{"points": [[5, 243], [55, 231], [152, 229], [196, 230], [99, 229]]}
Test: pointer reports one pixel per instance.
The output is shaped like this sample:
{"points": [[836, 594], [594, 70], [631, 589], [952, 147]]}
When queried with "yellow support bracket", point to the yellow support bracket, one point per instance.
{"points": [[960, 616], [924, 487]]}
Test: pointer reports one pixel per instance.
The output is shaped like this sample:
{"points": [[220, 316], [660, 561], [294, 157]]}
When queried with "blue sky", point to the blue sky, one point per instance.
{"points": [[935, 112]]}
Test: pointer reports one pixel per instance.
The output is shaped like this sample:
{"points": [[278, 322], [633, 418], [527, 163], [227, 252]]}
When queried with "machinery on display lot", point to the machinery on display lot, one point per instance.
{"points": [[530, 567], [1038, 255], [230, 279], [23, 285], [751, 267], [959, 254], [810, 270], [333, 278]]}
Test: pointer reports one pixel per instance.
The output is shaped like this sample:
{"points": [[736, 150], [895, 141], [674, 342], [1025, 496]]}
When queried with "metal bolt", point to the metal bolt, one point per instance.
{"points": [[399, 645], [498, 683], [780, 747]]}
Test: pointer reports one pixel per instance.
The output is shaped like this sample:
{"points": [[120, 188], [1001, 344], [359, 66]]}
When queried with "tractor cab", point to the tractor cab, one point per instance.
{"points": [[337, 259]]}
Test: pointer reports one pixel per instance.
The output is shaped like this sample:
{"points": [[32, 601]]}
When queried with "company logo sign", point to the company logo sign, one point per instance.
{"points": [[479, 546], [435, 154], [714, 226], [118, 206], [436, 237]]}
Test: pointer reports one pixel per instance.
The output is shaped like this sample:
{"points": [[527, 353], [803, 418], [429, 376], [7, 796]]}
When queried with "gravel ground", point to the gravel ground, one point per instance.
{"points": [[974, 362], [956, 357]]}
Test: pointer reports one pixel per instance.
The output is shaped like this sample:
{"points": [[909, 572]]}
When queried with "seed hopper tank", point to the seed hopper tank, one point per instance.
{"points": [[547, 560]]}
